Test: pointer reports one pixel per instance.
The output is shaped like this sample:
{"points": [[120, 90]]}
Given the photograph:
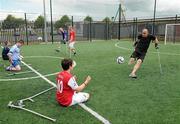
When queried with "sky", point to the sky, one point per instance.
{"points": [[98, 9]]}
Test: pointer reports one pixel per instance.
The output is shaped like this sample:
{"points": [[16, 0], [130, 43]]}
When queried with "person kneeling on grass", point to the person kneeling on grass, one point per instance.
{"points": [[68, 92], [141, 48], [15, 57]]}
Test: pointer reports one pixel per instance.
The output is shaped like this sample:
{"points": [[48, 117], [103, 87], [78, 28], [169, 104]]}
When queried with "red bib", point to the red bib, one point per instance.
{"points": [[64, 92]]}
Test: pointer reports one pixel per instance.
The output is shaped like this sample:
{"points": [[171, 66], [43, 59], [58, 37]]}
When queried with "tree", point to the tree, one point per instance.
{"points": [[39, 22], [63, 22], [88, 19], [12, 22], [106, 19]]}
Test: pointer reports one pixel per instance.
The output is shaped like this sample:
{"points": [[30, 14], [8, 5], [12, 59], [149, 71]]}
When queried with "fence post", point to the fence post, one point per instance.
{"points": [[119, 31], [111, 25], [154, 19], [27, 40], [15, 35], [134, 21], [174, 38], [45, 23], [136, 32], [87, 29], [52, 33], [106, 30], [90, 31], [72, 21]]}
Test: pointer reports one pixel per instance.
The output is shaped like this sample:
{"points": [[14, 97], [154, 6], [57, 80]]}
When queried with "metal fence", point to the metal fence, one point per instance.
{"points": [[130, 29], [85, 30]]}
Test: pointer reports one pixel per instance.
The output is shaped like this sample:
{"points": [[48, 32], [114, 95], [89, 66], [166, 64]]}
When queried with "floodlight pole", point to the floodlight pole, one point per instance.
{"points": [[154, 19], [136, 31], [134, 27], [27, 40], [52, 34], [72, 21], [119, 24], [45, 26]]}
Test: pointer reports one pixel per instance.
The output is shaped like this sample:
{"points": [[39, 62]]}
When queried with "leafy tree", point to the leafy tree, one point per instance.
{"points": [[106, 19], [39, 22], [88, 19], [12, 22], [63, 22]]}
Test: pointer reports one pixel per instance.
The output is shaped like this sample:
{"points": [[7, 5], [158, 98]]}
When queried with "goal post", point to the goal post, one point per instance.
{"points": [[172, 33]]}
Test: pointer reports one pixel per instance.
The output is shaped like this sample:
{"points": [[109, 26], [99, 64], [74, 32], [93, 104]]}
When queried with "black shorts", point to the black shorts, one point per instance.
{"points": [[138, 55], [5, 57]]}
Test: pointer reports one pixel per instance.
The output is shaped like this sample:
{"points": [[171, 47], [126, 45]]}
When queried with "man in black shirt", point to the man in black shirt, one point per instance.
{"points": [[141, 47]]}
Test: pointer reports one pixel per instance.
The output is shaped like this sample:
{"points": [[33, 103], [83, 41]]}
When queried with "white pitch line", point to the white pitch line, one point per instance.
{"points": [[172, 44], [95, 114], [18, 73], [53, 57], [28, 78], [171, 54], [124, 48], [164, 53], [47, 80]]}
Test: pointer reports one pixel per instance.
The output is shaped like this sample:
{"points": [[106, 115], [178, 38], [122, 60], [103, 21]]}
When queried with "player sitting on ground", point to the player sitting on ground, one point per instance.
{"points": [[15, 57], [5, 50], [141, 47], [68, 92], [72, 40]]}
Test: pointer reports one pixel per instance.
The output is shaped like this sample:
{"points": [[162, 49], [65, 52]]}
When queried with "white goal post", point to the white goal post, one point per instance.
{"points": [[172, 33]]}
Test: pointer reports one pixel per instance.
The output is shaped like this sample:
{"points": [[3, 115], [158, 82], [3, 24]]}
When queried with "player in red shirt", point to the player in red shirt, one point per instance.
{"points": [[72, 40], [68, 92]]}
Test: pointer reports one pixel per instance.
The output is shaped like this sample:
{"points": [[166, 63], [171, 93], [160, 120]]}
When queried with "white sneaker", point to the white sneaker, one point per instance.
{"points": [[132, 76]]}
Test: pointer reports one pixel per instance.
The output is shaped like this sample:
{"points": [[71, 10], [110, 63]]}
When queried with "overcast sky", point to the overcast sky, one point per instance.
{"points": [[95, 8]]}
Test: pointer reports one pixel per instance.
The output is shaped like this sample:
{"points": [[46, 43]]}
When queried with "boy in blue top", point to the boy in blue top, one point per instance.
{"points": [[15, 57]]}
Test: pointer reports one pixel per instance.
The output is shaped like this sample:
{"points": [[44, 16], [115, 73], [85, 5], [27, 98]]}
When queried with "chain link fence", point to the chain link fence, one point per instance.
{"points": [[28, 29]]}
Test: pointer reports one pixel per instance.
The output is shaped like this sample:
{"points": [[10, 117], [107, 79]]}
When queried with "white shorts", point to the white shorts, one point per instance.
{"points": [[71, 45], [79, 98]]}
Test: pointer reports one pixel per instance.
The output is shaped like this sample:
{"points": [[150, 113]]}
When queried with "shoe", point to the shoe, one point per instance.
{"points": [[8, 68], [57, 50], [133, 76], [74, 53]]}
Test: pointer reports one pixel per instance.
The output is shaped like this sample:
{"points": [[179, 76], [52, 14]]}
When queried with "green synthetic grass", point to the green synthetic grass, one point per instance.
{"points": [[150, 99]]}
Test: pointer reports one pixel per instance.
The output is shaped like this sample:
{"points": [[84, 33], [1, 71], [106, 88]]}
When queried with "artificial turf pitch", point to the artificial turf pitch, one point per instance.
{"points": [[150, 99]]}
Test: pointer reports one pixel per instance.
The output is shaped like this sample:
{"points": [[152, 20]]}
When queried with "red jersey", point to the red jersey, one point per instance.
{"points": [[72, 36], [64, 92]]}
